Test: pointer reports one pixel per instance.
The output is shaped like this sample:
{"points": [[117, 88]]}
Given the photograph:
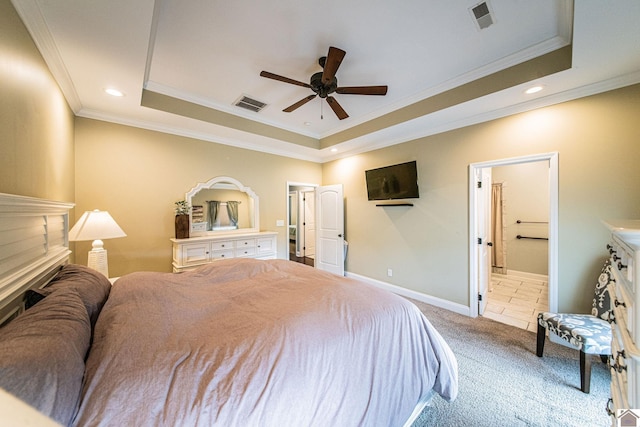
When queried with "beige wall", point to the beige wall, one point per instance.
{"points": [[137, 175], [525, 191], [426, 245], [36, 124]]}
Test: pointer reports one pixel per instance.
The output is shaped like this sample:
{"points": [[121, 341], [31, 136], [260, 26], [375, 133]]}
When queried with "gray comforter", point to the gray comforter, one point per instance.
{"points": [[244, 342]]}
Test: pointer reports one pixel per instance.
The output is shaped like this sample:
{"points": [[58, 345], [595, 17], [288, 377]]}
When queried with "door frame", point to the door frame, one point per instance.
{"points": [[483, 235], [475, 205], [289, 185]]}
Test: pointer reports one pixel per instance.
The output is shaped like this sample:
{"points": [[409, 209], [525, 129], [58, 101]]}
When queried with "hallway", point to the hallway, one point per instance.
{"points": [[516, 301]]}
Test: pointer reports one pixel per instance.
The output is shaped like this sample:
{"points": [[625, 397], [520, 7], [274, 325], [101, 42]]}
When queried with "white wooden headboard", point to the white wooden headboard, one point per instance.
{"points": [[34, 244]]}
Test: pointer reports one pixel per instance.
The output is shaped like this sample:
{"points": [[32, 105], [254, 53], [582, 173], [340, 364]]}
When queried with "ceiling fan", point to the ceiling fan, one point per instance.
{"points": [[324, 83]]}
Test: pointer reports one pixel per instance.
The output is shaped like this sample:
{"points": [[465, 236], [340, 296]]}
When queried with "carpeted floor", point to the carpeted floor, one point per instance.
{"points": [[503, 383]]}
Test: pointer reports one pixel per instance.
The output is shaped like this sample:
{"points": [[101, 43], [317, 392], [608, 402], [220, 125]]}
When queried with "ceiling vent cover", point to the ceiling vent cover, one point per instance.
{"points": [[482, 15], [249, 104]]}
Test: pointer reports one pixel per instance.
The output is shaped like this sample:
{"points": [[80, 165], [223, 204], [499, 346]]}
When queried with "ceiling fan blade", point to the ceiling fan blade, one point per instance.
{"points": [[333, 61], [283, 79], [298, 104], [337, 108], [362, 90]]}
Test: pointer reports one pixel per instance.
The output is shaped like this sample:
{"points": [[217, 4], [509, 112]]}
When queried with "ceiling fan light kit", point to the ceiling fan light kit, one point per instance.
{"points": [[325, 82]]}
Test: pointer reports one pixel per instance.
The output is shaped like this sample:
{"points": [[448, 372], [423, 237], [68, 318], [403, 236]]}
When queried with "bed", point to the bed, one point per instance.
{"points": [[237, 342]]}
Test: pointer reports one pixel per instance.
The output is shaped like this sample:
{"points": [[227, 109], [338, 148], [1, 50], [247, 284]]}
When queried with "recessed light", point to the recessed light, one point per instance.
{"points": [[534, 89], [114, 92], [307, 123], [334, 150]]}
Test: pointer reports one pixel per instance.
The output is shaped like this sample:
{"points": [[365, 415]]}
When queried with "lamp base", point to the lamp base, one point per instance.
{"points": [[98, 261]]}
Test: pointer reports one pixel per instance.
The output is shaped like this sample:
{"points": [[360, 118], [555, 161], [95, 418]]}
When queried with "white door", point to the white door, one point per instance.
{"points": [[330, 229], [309, 224], [484, 236]]}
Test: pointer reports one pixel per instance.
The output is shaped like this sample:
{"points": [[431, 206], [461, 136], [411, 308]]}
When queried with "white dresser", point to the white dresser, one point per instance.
{"points": [[196, 251], [624, 250]]}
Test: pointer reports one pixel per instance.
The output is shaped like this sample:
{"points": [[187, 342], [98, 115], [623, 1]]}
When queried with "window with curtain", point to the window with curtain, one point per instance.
{"points": [[212, 213]]}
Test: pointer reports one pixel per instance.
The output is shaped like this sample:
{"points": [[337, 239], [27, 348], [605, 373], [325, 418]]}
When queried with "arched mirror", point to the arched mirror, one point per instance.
{"points": [[222, 205]]}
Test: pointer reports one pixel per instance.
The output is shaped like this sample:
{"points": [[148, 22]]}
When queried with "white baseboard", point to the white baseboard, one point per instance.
{"points": [[428, 299]]}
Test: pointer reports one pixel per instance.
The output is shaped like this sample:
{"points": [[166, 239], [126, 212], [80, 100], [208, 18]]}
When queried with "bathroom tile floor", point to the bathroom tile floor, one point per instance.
{"points": [[516, 301]]}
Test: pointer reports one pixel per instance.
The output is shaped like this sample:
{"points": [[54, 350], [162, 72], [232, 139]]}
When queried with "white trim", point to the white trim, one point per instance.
{"points": [[395, 135], [239, 139], [32, 17], [428, 299], [18, 274], [552, 158], [288, 221]]}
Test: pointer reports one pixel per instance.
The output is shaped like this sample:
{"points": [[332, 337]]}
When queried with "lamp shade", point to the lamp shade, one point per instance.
{"points": [[95, 225]]}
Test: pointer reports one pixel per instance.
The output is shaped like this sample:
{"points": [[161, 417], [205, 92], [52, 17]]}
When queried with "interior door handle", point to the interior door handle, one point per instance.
{"points": [[489, 244], [339, 235]]}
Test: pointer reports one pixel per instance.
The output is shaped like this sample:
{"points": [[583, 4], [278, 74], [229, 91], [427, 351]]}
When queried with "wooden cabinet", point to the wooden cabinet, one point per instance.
{"points": [[196, 251], [624, 250]]}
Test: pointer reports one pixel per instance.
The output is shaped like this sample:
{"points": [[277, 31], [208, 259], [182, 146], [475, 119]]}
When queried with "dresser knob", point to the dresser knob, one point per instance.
{"points": [[610, 249], [618, 303], [621, 266]]}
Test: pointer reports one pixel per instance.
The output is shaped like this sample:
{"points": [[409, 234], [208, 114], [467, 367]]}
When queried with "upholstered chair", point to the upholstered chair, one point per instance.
{"points": [[590, 334]]}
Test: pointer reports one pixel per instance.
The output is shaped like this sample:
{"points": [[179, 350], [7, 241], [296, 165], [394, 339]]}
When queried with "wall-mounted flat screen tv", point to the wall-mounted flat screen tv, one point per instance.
{"points": [[393, 182]]}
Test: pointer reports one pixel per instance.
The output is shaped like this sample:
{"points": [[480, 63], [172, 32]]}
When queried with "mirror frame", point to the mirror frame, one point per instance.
{"points": [[232, 184]]}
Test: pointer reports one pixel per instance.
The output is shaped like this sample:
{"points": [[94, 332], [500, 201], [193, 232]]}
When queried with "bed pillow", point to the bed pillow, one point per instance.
{"points": [[92, 286], [42, 353]]}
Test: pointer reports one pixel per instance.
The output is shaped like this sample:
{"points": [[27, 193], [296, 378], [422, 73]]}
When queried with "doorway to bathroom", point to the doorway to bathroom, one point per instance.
{"points": [[302, 224], [513, 238]]}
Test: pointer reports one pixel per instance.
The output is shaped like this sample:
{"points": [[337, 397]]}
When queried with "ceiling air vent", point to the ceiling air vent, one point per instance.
{"points": [[250, 104], [482, 15]]}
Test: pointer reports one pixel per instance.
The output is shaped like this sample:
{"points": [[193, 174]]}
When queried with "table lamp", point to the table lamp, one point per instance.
{"points": [[96, 225]]}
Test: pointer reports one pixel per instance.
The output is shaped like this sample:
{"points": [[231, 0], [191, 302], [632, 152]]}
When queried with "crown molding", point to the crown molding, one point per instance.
{"points": [[32, 17], [387, 137]]}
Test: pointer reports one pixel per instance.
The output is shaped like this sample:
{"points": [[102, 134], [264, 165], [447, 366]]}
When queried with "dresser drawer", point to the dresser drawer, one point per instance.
{"points": [[191, 253], [247, 243], [222, 245], [623, 303], [266, 245], [225, 253], [249, 251], [195, 254]]}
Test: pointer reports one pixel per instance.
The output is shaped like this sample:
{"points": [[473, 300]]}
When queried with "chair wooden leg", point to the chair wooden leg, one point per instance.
{"points": [[542, 332], [585, 372]]}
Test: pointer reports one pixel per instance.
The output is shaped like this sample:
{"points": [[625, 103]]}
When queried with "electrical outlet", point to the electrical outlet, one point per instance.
{"points": [[280, 223], [389, 272]]}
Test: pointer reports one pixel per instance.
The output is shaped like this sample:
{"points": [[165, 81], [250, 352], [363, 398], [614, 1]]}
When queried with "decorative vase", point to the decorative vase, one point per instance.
{"points": [[182, 226]]}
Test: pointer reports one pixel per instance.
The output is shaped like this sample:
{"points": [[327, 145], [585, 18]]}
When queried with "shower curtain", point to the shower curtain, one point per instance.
{"points": [[498, 254]]}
